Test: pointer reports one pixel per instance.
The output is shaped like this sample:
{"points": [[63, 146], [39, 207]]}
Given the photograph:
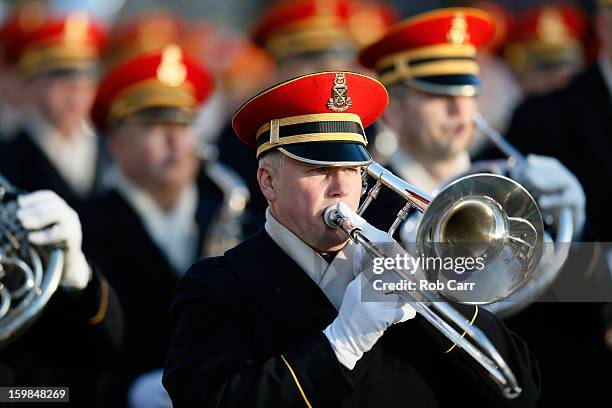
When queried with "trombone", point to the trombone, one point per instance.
{"points": [[508, 224], [563, 221]]}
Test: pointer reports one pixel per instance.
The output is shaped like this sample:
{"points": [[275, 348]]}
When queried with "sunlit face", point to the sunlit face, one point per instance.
{"points": [[154, 155], [63, 101], [435, 126], [299, 193]]}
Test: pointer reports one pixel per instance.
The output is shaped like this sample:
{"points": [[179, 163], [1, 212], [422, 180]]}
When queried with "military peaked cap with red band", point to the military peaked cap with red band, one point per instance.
{"points": [[504, 23], [47, 43], [434, 51], [369, 20], [547, 35], [164, 82], [317, 118], [146, 32], [300, 26], [15, 23]]}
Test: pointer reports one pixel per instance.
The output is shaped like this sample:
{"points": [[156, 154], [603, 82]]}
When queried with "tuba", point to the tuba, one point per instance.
{"points": [[29, 275], [480, 215], [559, 225]]}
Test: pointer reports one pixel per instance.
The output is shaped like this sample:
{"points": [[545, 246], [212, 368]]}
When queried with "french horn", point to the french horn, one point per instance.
{"points": [[29, 275]]}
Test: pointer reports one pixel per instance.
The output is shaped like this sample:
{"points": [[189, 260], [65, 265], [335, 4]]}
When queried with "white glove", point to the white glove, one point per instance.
{"points": [[53, 222], [360, 324], [147, 391], [553, 185]]}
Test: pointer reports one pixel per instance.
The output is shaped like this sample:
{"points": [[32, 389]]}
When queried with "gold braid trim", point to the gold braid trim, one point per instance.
{"points": [[296, 382], [315, 117], [463, 335], [101, 313]]}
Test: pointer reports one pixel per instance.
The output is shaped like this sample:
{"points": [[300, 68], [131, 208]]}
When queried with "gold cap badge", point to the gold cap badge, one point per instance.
{"points": [[340, 101], [457, 34], [171, 71]]}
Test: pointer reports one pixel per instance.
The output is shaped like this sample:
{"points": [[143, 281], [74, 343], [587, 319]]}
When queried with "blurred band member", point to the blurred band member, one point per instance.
{"points": [[307, 36], [545, 49], [429, 65], [153, 222], [501, 92], [73, 341], [57, 56], [574, 124]]}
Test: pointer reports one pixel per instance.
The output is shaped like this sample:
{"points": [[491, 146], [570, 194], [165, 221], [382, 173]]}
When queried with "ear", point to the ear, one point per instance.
{"points": [[266, 177], [392, 116]]}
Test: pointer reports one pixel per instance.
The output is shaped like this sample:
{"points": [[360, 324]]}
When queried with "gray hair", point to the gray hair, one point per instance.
{"points": [[275, 159]]}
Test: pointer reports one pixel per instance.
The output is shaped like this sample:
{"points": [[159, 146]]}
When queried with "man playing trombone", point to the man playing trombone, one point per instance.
{"points": [[279, 320], [428, 64]]}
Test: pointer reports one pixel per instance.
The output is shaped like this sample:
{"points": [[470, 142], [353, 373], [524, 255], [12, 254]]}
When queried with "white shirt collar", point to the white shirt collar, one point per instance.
{"points": [[606, 71], [409, 169], [331, 278], [75, 158], [175, 232]]}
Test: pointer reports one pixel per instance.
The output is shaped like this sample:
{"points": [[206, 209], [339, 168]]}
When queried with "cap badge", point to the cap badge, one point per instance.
{"points": [[551, 28], [171, 71], [75, 29], [457, 34], [340, 101]]}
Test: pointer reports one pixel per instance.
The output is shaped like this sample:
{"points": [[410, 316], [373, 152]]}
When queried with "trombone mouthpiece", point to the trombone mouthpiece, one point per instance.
{"points": [[330, 216]]}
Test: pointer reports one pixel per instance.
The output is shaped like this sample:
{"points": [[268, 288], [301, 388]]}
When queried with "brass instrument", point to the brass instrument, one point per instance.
{"points": [[226, 228], [561, 225], [29, 275], [493, 212]]}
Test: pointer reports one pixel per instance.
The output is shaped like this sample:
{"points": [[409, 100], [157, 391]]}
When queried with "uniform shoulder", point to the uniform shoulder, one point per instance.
{"points": [[217, 277], [98, 213], [205, 268], [209, 278]]}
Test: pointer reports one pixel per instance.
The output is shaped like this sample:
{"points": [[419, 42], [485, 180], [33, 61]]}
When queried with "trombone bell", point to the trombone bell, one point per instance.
{"points": [[489, 217]]}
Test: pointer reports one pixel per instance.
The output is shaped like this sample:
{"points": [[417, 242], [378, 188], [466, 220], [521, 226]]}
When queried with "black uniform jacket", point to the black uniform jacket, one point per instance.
{"points": [[116, 239], [248, 333], [575, 126], [69, 345], [28, 168]]}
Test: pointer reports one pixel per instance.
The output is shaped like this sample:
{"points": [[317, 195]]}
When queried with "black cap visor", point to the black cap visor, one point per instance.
{"points": [[334, 153], [452, 85]]}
